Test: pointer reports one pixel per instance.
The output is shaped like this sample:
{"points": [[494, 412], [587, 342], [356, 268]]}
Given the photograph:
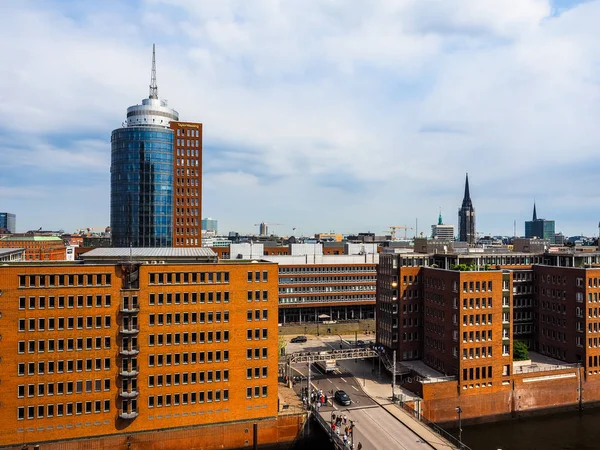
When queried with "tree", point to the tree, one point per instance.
{"points": [[520, 351]]}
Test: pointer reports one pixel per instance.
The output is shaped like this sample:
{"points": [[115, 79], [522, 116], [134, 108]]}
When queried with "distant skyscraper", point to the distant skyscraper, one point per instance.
{"points": [[441, 231], [156, 167], [8, 221], [209, 224], [466, 217], [540, 228]]}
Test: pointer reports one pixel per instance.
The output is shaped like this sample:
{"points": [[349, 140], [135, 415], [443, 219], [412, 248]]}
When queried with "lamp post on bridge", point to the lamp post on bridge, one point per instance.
{"points": [[458, 410]]}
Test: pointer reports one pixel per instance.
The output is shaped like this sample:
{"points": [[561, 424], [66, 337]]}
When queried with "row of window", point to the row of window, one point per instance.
{"points": [[187, 132], [187, 318], [326, 269], [191, 398], [311, 289], [200, 337], [341, 279], [72, 344], [477, 336], [477, 319], [41, 281], [63, 387], [50, 367], [64, 323], [257, 276], [477, 373], [257, 333], [188, 277], [60, 409], [175, 379], [477, 303], [61, 301], [186, 298], [328, 298], [187, 358], [257, 315], [477, 352]]}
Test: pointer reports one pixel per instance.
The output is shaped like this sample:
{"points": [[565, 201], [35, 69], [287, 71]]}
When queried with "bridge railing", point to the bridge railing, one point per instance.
{"points": [[433, 427], [337, 440]]}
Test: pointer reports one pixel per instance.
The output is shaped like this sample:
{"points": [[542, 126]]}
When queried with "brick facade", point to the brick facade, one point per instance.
{"points": [[90, 350]]}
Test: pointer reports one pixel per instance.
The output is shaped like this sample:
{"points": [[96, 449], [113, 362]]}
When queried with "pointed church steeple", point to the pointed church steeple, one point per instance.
{"points": [[534, 212], [466, 217], [440, 222], [467, 198]]}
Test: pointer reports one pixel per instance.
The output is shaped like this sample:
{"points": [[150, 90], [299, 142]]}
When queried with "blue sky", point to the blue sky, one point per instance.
{"points": [[316, 115]]}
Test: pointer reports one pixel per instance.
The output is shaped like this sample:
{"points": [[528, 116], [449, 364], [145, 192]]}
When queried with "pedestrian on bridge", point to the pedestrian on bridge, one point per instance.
{"points": [[359, 446], [345, 439], [319, 406], [325, 399], [345, 419]]}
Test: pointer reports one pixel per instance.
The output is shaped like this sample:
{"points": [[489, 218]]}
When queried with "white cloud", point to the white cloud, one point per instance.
{"points": [[321, 114]]}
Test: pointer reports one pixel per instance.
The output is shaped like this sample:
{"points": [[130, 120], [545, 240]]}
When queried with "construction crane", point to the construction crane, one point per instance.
{"points": [[263, 227], [393, 229]]}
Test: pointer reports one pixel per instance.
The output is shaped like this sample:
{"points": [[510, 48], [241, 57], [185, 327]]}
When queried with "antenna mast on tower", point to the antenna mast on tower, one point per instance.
{"points": [[153, 86]]}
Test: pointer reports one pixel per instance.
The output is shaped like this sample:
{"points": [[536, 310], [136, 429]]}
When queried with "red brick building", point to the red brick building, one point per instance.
{"points": [[37, 248], [187, 175], [463, 324], [139, 341]]}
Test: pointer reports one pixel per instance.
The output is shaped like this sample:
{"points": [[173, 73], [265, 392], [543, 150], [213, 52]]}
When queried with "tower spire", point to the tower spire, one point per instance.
{"points": [[440, 222], [153, 86], [467, 197], [534, 212]]}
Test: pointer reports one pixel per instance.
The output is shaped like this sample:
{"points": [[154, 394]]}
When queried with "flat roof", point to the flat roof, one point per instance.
{"points": [[137, 252], [8, 251], [31, 238]]}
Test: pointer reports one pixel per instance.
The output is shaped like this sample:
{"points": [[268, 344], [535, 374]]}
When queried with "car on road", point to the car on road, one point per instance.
{"points": [[360, 343], [298, 339], [342, 398]]}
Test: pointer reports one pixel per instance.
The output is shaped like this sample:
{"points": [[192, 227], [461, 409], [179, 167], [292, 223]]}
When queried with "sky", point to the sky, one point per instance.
{"points": [[321, 115]]}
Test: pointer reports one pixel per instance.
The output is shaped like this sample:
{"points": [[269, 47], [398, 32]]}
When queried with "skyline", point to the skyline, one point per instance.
{"points": [[309, 107]]}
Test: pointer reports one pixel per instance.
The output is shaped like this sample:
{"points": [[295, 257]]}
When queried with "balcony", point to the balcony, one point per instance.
{"points": [[128, 351], [129, 394], [129, 415], [130, 308], [129, 372], [132, 329]]}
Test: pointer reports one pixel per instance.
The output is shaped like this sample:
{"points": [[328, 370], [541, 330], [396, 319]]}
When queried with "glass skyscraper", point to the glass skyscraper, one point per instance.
{"points": [[142, 187], [156, 177], [142, 174]]}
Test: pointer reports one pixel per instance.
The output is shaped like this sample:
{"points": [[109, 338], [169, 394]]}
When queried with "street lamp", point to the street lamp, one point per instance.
{"points": [[458, 410]]}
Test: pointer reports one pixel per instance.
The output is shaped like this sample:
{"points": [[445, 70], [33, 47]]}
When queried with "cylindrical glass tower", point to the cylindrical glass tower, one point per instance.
{"points": [[141, 200]]}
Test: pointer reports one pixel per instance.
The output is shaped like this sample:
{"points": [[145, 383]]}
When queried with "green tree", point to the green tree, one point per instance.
{"points": [[520, 351]]}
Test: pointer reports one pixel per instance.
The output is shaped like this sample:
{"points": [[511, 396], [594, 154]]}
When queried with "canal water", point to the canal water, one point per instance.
{"points": [[564, 431]]}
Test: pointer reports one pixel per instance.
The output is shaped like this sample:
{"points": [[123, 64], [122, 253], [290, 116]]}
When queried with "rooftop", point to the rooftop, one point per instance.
{"points": [[144, 253], [31, 238], [8, 251]]}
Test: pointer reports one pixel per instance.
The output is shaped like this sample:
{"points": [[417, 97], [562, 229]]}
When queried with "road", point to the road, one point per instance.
{"points": [[374, 427]]}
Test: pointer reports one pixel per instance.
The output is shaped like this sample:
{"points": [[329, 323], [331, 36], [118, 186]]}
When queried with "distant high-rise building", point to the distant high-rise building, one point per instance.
{"points": [[466, 217], [209, 224], [156, 167], [540, 228], [8, 221], [441, 231]]}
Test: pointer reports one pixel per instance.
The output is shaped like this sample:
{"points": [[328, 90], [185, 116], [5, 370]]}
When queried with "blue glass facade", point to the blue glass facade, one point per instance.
{"points": [[141, 199]]}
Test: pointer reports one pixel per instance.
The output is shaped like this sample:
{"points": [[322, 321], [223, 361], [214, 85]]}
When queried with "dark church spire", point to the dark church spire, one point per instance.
{"points": [[534, 212], [467, 198], [466, 217]]}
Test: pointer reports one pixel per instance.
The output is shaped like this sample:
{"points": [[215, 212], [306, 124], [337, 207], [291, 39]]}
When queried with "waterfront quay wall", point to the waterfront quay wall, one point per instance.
{"points": [[519, 395], [282, 429]]}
